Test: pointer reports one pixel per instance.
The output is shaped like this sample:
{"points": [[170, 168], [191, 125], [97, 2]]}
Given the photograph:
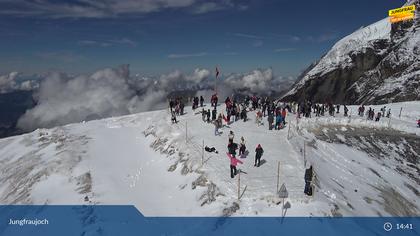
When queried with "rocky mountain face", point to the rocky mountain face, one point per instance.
{"points": [[376, 64]]}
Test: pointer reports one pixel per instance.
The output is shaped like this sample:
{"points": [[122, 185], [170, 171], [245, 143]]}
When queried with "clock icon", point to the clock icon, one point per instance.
{"points": [[387, 226]]}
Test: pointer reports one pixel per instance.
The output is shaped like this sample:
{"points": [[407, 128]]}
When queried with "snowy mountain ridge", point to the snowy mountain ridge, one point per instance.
{"points": [[375, 64]]}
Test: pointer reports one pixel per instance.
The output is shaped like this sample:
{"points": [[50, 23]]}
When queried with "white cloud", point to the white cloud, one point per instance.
{"points": [[63, 99], [258, 81], [249, 36], [198, 76], [175, 56], [9, 83], [207, 7], [108, 43], [284, 49], [108, 8], [93, 43], [125, 41]]}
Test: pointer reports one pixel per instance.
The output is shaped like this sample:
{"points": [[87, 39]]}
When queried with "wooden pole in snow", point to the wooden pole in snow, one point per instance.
{"points": [[389, 122], [304, 153], [239, 185], [278, 177], [400, 113], [202, 155]]}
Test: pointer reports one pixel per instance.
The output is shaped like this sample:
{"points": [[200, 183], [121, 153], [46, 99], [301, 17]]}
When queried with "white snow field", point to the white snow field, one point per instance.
{"points": [[159, 167]]}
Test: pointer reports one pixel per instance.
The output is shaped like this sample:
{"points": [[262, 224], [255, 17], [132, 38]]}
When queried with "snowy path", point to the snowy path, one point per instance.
{"points": [[257, 183]]}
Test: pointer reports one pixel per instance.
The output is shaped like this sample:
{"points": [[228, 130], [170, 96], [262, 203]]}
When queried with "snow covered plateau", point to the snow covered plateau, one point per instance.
{"points": [[362, 168]]}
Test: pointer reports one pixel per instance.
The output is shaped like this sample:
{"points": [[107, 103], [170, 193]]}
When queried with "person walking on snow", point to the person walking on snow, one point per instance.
{"points": [[242, 147], [233, 163], [258, 154]]}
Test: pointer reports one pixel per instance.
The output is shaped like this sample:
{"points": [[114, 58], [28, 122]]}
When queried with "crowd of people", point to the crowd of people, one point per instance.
{"points": [[371, 115], [275, 111], [176, 107]]}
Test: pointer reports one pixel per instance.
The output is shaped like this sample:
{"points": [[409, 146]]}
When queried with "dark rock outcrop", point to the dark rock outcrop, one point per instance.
{"points": [[377, 64]]}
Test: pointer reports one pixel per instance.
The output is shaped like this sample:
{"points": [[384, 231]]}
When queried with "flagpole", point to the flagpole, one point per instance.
{"points": [[215, 81]]}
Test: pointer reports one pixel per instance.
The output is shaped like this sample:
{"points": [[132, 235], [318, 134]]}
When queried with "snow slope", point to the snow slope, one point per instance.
{"points": [[339, 55], [376, 64], [146, 161]]}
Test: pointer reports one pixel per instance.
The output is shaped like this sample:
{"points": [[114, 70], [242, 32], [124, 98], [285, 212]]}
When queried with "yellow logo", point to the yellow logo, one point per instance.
{"points": [[401, 14]]}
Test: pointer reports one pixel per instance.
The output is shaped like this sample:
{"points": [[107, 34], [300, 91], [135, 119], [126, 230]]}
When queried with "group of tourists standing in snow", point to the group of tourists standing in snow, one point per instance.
{"points": [[232, 147], [276, 113], [370, 114]]}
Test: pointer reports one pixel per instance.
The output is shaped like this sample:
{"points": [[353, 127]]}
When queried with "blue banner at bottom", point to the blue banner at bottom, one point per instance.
{"points": [[48, 220]]}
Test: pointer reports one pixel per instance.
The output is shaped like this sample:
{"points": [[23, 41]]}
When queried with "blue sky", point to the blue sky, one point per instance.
{"points": [[158, 36]]}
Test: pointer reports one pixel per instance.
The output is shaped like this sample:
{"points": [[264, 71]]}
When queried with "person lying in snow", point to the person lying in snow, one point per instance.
{"points": [[233, 163], [211, 149]]}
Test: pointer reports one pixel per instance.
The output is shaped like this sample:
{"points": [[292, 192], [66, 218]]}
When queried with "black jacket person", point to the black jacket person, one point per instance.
{"points": [[258, 154], [308, 180]]}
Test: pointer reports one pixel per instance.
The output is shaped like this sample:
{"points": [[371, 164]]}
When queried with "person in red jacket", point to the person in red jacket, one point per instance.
{"points": [[418, 123], [233, 163], [283, 115]]}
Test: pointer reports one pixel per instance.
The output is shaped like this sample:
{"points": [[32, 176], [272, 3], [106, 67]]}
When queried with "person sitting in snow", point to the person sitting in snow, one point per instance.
{"points": [[233, 163], [258, 154]]}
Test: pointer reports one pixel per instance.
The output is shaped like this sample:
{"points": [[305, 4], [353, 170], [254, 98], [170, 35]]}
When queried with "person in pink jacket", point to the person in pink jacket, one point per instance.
{"points": [[233, 163]]}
